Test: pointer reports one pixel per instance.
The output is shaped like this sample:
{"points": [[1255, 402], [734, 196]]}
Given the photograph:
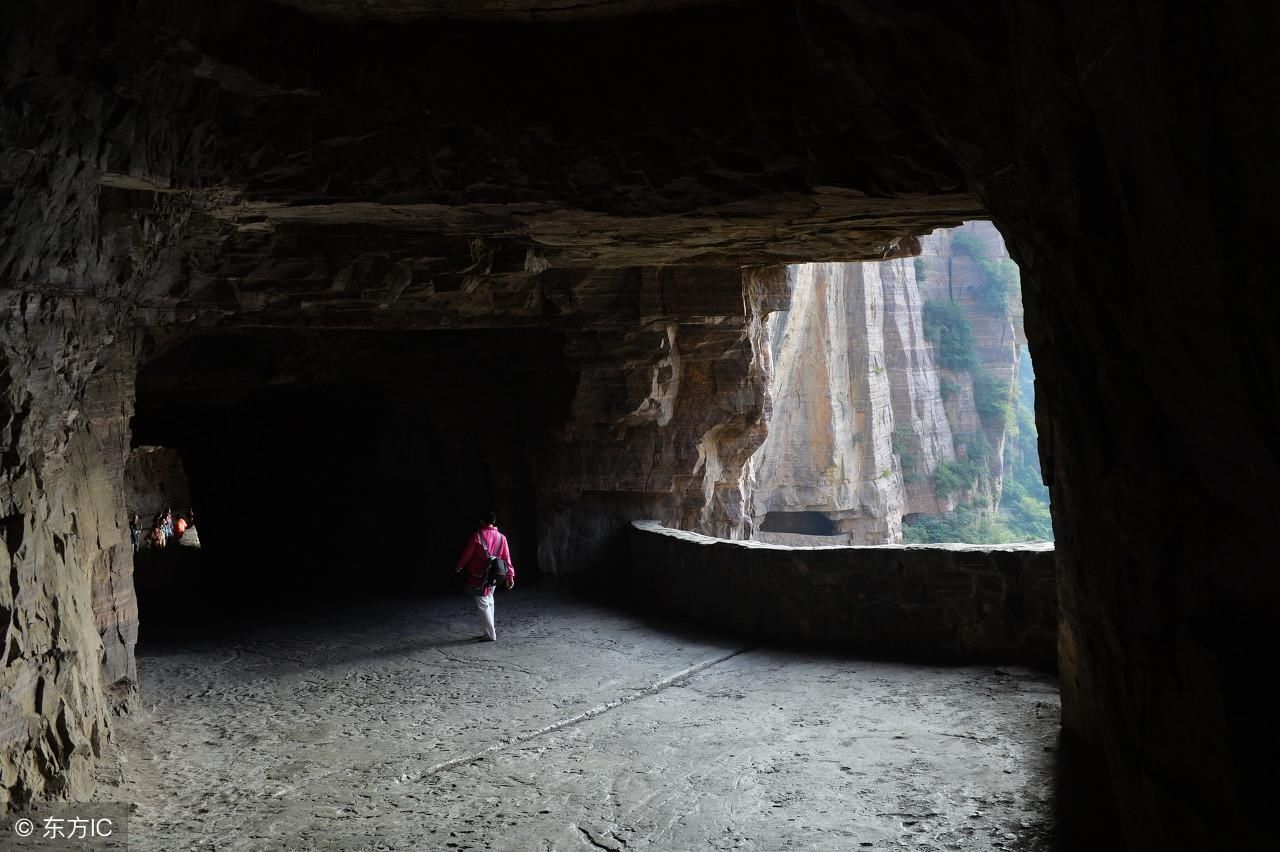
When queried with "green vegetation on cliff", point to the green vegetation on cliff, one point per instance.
{"points": [[948, 329], [1023, 511], [999, 280], [991, 397], [1024, 504]]}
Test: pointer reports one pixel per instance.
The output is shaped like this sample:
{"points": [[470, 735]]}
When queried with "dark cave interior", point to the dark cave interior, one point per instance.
{"points": [[338, 465]]}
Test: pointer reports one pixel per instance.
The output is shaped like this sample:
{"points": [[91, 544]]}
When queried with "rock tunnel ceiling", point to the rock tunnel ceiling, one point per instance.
{"points": [[283, 172], [630, 181]]}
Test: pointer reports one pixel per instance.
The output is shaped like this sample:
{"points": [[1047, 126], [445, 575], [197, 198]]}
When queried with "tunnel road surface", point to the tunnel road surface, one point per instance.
{"points": [[387, 726]]}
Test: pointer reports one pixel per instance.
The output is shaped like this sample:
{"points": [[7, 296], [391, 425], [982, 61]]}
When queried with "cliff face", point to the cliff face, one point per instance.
{"points": [[970, 267], [891, 387]]}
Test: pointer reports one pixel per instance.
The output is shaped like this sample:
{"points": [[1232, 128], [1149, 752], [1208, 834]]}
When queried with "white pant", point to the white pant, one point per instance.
{"points": [[484, 603]]}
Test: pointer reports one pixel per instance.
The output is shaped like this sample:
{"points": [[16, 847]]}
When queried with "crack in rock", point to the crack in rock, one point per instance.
{"points": [[652, 689], [590, 838]]}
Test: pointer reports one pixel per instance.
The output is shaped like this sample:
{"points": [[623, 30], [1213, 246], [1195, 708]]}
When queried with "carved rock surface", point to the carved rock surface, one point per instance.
{"points": [[67, 601]]}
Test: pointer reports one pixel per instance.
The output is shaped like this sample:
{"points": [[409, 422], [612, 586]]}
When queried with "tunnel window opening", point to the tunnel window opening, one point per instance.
{"points": [[162, 520], [340, 465], [158, 498], [800, 523], [903, 400]]}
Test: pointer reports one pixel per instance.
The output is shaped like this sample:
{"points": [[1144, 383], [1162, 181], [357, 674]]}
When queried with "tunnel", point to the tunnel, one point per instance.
{"points": [[337, 465], [289, 238], [808, 523]]}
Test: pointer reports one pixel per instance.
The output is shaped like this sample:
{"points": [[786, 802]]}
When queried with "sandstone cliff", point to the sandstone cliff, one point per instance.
{"points": [[891, 389]]}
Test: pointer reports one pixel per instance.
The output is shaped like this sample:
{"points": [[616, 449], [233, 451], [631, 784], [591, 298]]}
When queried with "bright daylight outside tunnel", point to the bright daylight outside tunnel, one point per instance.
{"points": [[903, 403], [875, 403]]}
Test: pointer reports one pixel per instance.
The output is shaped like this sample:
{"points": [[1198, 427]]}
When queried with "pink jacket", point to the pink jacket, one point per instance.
{"points": [[472, 559]]}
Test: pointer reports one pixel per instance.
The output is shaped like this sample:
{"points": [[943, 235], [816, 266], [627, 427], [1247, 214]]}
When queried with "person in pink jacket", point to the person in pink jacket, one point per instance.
{"points": [[474, 560]]}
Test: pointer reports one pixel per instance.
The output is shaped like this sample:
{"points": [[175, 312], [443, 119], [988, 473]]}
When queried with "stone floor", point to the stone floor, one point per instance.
{"points": [[386, 726]]}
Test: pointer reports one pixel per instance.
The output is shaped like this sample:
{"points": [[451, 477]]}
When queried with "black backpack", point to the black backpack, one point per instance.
{"points": [[496, 570]]}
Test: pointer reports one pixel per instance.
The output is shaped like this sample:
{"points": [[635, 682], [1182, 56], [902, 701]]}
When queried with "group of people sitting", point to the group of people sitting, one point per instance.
{"points": [[165, 528]]}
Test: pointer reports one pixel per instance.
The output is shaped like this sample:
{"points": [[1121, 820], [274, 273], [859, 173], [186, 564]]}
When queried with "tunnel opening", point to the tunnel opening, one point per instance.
{"points": [[334, 465], [800, 523], [903, 401]]}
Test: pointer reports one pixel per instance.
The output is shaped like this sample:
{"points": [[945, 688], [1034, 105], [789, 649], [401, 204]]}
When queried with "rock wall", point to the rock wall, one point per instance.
{"points": [[66, 600], [154, 478], [1157, 368], [934, 602], [665, 416], [865, 408], [73, 258]]}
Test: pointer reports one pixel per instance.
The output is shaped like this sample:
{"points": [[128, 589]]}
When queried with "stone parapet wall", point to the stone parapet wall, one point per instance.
{"points": [[948, 602]]}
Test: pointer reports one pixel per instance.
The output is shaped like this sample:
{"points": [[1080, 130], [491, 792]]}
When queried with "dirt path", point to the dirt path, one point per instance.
{"points": [[387, 727]]}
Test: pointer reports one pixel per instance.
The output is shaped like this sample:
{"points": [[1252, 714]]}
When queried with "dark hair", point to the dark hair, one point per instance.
{"points": [[490, 518]]}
